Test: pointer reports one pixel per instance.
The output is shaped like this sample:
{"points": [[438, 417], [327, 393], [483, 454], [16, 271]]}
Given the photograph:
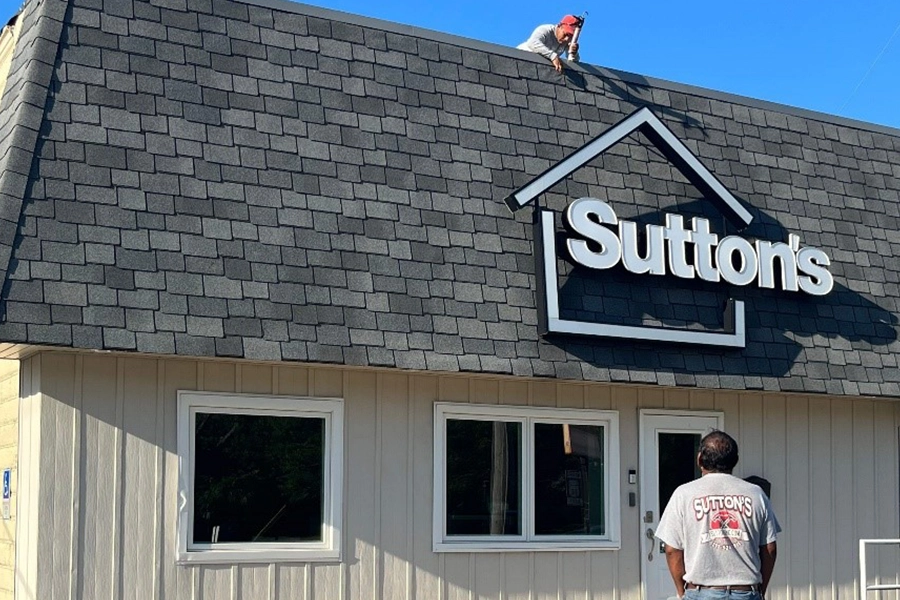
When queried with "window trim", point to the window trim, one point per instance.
{"points": [[329, 409], [528, 541]]}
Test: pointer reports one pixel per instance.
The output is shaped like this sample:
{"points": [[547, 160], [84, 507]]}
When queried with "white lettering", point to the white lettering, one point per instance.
{"points": [[725, 254], [704, 242], [678, 236], [653, 261], [707, 504], [786, 253], [818, 280], [734, 259], [579, 217]]}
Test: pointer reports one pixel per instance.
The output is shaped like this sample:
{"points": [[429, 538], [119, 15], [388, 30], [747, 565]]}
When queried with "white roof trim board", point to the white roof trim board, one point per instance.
{"points": [[663, 138]]}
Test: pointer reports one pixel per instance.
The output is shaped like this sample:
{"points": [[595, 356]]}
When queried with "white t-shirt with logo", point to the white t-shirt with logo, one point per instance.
{"points": [[720, 521]]}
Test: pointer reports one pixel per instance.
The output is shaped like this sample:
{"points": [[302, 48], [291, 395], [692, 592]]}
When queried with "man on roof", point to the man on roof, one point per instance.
{"points": [[553, 40]]}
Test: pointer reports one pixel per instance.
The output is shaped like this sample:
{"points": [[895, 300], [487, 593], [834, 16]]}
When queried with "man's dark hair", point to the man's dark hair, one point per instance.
{"points": [[718, 452]]}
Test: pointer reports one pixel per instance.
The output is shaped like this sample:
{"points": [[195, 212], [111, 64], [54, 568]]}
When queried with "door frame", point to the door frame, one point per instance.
{"points": [[658, 412]]}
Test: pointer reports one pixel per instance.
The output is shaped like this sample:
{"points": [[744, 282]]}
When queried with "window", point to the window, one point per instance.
{"points": [[511, 478], [259, 478]]}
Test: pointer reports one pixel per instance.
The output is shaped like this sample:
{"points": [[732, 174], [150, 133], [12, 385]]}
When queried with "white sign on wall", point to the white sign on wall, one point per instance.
{"points": [[602, 241]]}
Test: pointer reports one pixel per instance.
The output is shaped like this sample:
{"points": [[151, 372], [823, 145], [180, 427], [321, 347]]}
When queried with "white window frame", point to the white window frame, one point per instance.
{"points": [[331, 410], [528, 541]]}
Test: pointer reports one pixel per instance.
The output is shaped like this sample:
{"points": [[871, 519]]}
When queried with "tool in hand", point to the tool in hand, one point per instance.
{"points": [[573, 54]]}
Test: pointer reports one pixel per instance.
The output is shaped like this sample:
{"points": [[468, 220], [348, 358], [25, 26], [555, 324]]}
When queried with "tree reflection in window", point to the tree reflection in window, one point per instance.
{"points": [[258, 478], [483, 477]]}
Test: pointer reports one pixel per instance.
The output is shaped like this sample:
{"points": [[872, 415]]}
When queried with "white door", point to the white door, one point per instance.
{"points": [[669, 441]]}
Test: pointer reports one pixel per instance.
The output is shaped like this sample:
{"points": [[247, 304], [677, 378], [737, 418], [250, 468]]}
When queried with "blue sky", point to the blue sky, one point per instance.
{"points": [[837, 57]]}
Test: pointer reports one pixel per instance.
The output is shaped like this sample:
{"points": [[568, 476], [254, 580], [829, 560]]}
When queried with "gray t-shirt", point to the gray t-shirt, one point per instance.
{"points": [[543, 41], [720, 521]]}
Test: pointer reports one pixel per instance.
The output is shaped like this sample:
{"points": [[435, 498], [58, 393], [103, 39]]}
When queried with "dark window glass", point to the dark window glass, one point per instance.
{"points": [[677, 463], [483, 477], [568, 480], [258, 478]]}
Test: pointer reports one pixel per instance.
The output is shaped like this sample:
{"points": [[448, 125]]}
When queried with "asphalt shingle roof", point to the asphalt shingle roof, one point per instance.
{"points": [[277, 182]]}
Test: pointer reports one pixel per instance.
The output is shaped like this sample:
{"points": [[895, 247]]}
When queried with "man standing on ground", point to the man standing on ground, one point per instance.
{"points": [[719, 531], [552, 40]]}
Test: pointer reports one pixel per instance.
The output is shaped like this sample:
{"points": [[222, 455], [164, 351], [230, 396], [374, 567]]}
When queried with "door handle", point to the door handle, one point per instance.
{"points": [[652, 537]]}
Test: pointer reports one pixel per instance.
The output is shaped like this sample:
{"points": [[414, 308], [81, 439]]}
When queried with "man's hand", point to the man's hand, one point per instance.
{"points": [[573, 49], [557, 64]]}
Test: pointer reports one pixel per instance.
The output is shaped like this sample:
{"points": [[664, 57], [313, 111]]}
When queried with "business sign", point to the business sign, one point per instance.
{"points": [[598, 239]]}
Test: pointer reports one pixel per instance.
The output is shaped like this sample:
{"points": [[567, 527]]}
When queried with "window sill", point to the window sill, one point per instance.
{"points": [[521, 546], [257, 556]]}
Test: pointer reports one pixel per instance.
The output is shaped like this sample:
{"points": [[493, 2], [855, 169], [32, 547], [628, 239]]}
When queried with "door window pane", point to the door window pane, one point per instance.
{"points": [[677, 463], [258, 478], [483, 477], [568, 479]]}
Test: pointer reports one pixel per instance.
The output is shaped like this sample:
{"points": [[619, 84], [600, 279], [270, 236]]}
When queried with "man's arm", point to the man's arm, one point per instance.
{"points": [[675, 560], [767, 555]]}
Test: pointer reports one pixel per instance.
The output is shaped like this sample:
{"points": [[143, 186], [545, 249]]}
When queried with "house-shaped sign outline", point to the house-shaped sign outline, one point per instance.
{"points": [[665, 141], [734, 333]]}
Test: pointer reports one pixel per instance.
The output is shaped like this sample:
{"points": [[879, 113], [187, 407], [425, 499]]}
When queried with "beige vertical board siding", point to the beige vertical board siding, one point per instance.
{"points": [[750, 434], [9, 456], [794, 566], [254, 581], [728, 403], [216, 583], [361, 486], [255, 379], [326, 579], [615, 575], [425, 578], [56, 501], [392, 492], [675, 398], [774, 468], [103, 430], [821, 503], [178, 582], [845, 550], [141, 484], [886, 492], [865, 514], [27, 481]]}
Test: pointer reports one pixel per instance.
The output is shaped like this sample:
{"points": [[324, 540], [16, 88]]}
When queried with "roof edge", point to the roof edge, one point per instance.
{"points": [[623, 76]]}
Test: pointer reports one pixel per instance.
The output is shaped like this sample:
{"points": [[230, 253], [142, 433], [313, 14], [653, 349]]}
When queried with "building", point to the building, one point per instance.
{"points": [[273, 329]]}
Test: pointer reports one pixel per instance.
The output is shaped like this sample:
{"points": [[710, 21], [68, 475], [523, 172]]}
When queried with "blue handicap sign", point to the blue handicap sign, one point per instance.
{"points": [[7, 474]]}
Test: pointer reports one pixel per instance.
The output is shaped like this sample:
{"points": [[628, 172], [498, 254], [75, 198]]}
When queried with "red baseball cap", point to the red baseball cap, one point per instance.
{"points": [[568, 23]]}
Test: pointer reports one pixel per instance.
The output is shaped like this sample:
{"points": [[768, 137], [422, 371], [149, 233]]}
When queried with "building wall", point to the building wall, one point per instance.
{"points": [[8, 36], [103, 433], [9, 454]]}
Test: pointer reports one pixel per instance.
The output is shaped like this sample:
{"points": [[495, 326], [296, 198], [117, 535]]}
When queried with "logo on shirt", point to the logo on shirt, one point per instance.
{"points": [[724, 518]]}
